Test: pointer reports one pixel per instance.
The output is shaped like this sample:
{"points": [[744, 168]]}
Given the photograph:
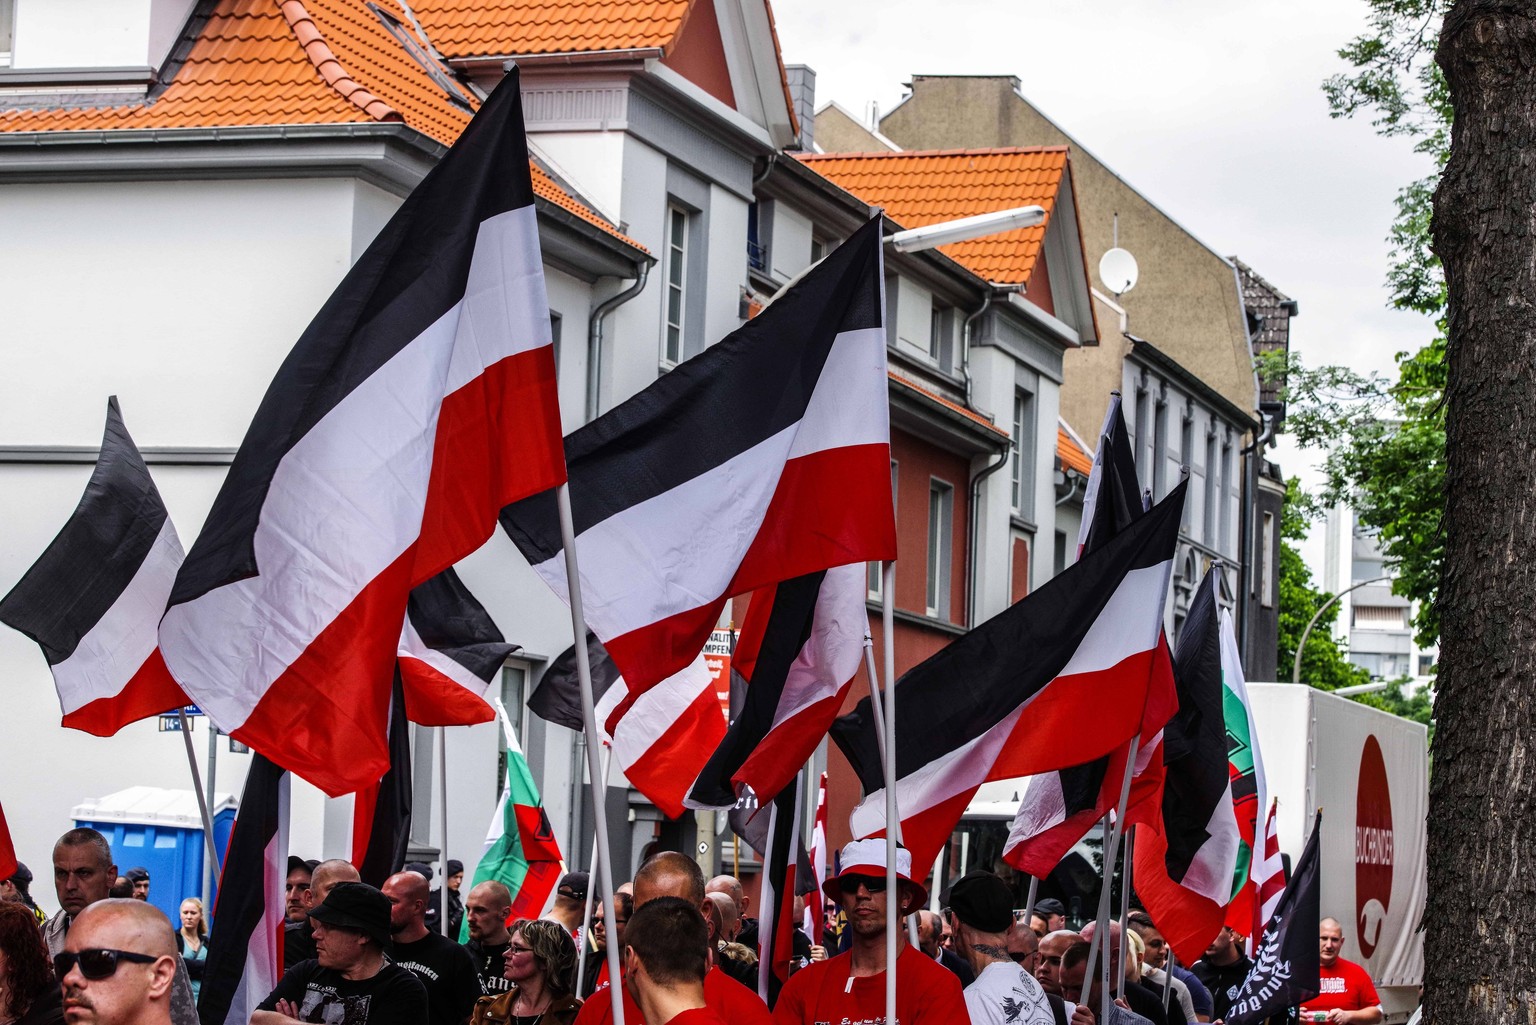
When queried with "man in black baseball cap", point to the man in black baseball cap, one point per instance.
{"points": [[18, 888], [981, 912], [351, 979], [1052, 913], [570, 901]]}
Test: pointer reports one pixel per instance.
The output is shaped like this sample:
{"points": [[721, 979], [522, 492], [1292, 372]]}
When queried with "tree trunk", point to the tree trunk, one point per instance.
{"points": [[1480, 943]]}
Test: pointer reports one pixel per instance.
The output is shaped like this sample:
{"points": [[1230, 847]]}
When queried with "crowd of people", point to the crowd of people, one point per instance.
{"points": [[687, 953]]}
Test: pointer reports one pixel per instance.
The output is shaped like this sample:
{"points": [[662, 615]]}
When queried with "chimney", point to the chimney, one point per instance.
{"points": [[802, 93]]}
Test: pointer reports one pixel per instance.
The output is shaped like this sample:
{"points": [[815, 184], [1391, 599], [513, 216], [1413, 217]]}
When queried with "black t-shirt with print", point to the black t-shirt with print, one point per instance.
{"points": [[392, 997], [490, 966], [447, 971]]}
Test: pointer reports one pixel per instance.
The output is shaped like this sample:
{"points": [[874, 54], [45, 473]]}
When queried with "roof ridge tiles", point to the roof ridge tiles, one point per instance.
{"points": [[330, 68], [985, 151]]}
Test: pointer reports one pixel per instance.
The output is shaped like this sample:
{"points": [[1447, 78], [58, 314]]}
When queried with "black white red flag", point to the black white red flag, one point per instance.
{"points": [[800, 646], [381, 814], [763, 458], [418, 402], [776, 902], [1286, 964], [94, 598], [1061, 676], [450, 651], [1185, 868], [1059, 808], [247, 962]]}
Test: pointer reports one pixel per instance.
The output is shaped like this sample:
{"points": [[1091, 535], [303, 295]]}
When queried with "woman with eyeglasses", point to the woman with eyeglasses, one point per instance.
{"points": [[540, 964], [29, 993]]}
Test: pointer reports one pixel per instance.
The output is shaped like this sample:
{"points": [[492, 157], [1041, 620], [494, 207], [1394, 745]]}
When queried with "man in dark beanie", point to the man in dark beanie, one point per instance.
{"points": [[981, 913], [351, 979]]}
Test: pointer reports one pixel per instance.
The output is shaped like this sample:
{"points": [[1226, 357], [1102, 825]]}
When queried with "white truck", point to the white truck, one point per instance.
{"points": [[1366, 769]]}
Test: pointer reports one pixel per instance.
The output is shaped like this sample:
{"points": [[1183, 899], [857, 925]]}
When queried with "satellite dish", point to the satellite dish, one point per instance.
{"points": [[1118, 271]]}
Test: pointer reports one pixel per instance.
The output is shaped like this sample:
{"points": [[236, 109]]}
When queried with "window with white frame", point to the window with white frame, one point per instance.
{"points": [[874, 585], [941, 346], [1160, 450], [1021, 478], [941, 529], [1267, 560], [7, 28], [674, 302], [1212, 490], [1226, 485]]}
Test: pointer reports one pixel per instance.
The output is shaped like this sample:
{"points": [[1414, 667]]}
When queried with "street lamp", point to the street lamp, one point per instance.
{"points": [[964, 229], [1296, 666]]}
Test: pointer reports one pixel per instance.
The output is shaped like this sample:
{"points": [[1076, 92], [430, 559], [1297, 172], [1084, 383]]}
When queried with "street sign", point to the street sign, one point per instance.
{"points": [[717, 657], [172, 723]]}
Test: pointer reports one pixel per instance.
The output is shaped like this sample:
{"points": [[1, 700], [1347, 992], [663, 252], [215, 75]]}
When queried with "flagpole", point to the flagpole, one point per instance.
{"points": [[442, 820], [877, 707], [589, 722], [1168, 979], [202, 805], [1029, 901], [892, 820], [1125, 902], [586, 914], [1111, 850]]}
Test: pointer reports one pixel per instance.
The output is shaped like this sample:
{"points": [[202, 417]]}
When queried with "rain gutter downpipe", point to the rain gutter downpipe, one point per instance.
{"points": [[974, 548], [595, 334]]}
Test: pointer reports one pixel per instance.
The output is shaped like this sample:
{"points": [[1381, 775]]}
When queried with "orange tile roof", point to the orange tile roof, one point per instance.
{"points": [[292, 62], [922, 187], [1072, 455], [482, 28]]}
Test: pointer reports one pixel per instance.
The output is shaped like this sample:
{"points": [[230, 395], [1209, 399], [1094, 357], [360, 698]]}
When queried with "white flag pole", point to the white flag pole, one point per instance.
{"points": [[892, 819], [211, 869], [1125, 903], [586, 914], [877, 709], [442, 819], [1029, 902], [594, 742], [1111, 851]]}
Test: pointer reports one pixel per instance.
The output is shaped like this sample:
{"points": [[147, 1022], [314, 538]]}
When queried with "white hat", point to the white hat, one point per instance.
{"points": [[867, 858]]}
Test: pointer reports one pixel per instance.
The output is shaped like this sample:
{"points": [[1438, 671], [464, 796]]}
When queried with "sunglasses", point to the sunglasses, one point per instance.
{"points": [[98, 963], [851, 883]]}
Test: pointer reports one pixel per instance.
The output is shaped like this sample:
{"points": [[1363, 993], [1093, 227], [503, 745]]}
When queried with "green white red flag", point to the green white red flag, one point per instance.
{"points": [[520, 848]]}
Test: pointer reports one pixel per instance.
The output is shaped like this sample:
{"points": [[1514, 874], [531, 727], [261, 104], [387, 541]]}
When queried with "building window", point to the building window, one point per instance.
{"points": [[1267, 560], [554, 337], [819, 249], [941, 345], [1059, 560], [1021, 462], [1160, 450], [875, 592], [1143, 437], [7, 23], [1187, 459], [759, 233], [941, 520], [1226, 486], [676, 278], [1212, 488]]}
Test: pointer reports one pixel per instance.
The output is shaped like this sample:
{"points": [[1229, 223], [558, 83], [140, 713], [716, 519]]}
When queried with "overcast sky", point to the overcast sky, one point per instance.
{"points": [[1213, 110]]}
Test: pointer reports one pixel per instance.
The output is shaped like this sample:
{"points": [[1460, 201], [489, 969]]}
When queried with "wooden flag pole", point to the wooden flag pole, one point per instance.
{"points": [[594, 742], [586, 913], [892, 819]]}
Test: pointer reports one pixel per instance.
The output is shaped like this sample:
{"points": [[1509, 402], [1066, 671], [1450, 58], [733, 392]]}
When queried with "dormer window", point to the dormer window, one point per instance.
{"points": [[7, 28]]}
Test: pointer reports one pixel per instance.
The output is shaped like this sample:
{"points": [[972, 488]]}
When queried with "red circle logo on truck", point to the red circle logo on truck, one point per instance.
{"points": [[1373, 848]]}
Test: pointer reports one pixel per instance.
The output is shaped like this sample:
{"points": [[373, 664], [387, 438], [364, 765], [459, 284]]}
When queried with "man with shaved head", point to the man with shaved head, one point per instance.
{"points": [[447, 970], [1347, 996], [670, 874], [118, 965], [486, 911], [299, 942]]}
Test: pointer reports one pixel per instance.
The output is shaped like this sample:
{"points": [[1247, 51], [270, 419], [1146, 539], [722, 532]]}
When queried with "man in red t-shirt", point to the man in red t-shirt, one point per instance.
{"points": [[670, 874], [666, 958], [851, 986], [1347, 996]]}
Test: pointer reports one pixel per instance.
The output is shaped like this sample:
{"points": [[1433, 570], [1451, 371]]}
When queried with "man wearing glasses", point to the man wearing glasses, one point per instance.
{"points": [[851, 986], [118, 965]]}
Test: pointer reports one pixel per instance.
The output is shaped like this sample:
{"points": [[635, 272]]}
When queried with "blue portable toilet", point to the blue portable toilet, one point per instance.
{"points": [[161, 830]]}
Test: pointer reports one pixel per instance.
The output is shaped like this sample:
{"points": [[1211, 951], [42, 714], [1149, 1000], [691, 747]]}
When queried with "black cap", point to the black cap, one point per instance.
{"points": [[574, 885], [421, 868], [295, 863], [355, 906], [1050, 906], [22, 877], [455, 866], [136, 875], [982, 901]]}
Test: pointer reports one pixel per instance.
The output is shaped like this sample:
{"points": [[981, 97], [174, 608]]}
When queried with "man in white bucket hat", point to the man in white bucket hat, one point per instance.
{"points": [[851, 986]]}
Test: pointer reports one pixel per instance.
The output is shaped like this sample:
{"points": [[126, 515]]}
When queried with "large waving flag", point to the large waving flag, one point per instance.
{"points": [[1185, 869], [520, 848], [450, 651], [776, 899], [247, 962], [1245, 767], [800, 647], [93, 600], [381, 814], [763, 458], [1286, 965], [418, 403], [1059, 677], [1268, 873]]}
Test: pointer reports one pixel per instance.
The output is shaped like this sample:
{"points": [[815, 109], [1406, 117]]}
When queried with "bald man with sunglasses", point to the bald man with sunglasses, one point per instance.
{"points": [[118, 965]]}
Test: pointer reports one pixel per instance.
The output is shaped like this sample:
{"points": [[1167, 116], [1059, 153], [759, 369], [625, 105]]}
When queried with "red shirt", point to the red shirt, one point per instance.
{"points": [[927, 993], [697, 1016], [726, 998], [1344, 986]]}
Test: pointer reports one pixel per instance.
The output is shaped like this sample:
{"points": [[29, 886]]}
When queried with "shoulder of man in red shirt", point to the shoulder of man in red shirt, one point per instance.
{"points": [[697, 1016], [925, 987], [734, 1002]]}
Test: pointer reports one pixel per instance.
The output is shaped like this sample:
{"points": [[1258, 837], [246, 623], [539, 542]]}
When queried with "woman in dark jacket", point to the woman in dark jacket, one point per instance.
{"points": [[29, 994], [541, 964], [192, 942]]}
